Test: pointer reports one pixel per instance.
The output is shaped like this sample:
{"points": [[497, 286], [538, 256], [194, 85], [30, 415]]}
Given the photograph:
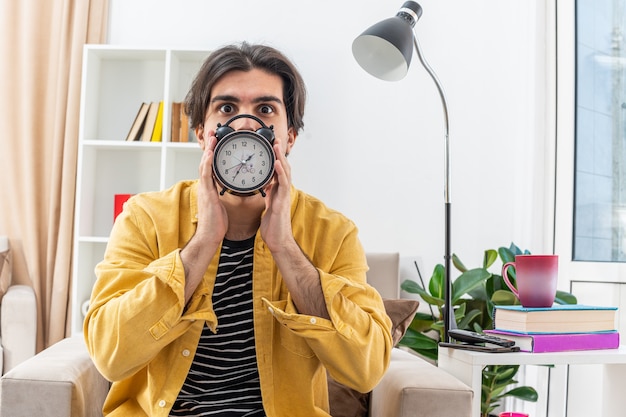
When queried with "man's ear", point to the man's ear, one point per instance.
{"points": [[292, 135], [200, 136]]}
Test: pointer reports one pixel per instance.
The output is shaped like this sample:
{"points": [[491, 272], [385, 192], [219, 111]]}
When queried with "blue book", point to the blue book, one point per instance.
{"points": [[567, 318]]}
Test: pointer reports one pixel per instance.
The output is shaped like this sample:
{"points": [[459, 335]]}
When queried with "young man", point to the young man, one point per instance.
{"points": [[211, 303]]}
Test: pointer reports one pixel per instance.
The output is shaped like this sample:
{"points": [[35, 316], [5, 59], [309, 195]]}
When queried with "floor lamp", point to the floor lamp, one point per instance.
{"points": [[384, 50]]}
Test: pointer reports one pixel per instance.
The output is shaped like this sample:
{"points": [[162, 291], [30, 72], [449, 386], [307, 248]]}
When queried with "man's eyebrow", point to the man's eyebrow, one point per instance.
{"points": [[224, 98], [234, 99], [265, 99]]}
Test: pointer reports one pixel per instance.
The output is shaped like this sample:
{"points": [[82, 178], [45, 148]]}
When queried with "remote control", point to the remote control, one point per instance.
{"points": [[474, 338]]}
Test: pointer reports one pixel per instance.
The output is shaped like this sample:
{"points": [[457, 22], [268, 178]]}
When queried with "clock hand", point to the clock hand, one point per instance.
{"points": [[242, 165], [241, 162], [234, 166], [238, 171]]}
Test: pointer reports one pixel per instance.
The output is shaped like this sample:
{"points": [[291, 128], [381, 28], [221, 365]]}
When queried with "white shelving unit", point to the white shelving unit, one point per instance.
{"points": [[116, 80]]}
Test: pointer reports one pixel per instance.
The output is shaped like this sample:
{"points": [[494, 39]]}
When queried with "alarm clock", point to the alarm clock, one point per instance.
{"points": [[243, 160]]}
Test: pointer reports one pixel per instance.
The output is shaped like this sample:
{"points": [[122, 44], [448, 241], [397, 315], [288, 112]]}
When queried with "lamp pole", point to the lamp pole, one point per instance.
{"points": [[448, 312]]}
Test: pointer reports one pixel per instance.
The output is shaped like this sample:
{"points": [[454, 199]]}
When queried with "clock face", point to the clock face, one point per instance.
{"points": [[243, 162]]}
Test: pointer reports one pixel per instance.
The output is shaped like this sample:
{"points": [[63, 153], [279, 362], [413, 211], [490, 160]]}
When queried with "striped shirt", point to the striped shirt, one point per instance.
{"points": [[224, 379]]}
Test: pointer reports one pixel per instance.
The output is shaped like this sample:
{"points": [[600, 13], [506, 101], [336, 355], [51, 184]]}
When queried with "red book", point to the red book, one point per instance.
{"points": [[118, 203], [560, 342]]}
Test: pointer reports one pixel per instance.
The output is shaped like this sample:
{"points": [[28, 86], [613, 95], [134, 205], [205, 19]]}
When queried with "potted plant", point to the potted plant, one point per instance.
{"points": [[474, 294]]}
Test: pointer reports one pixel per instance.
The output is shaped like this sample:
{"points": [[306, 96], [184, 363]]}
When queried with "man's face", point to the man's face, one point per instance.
{"points": [[254, 92]]}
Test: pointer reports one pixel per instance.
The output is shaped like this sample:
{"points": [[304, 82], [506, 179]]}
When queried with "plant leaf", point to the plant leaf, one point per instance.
{"points": [[414, 288], [468, 281], [506, 254], [496, 393], [459, 312], [420, 343], [489, 258], [432, 300], [506, 375], [436, 284], [563, 297], [523, 393], [411, 287], [457, 263], [424, 317], [422, 322], [516, 250], [468, 318], [480, 292], [502, 297], [418, 340]]}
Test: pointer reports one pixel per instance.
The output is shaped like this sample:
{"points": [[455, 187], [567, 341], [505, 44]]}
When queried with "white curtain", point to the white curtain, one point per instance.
{"points": [[41, 44]]}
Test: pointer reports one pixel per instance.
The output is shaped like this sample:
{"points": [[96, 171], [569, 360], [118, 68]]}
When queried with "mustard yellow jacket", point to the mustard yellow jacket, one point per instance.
{"points": [[142, 338]]}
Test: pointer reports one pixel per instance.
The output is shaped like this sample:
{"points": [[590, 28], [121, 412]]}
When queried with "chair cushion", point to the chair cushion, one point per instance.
{"points": [[346, 402], [61, 381], [413, 387]]}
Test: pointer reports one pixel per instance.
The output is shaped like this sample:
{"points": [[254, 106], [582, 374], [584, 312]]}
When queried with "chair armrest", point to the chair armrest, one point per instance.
{"points": [[18, 325], [412, 387], [60, 381]]}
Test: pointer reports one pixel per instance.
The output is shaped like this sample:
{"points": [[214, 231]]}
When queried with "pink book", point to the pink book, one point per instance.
{"points": [[560, 342]]}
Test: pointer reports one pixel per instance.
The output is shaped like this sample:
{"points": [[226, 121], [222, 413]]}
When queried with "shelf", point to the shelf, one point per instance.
{"points": [[116, 80], [115, 83], [120, 145]]}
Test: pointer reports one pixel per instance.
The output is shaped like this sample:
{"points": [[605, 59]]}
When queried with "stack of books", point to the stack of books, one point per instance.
{"points": [[557, 329], [148, 123]]}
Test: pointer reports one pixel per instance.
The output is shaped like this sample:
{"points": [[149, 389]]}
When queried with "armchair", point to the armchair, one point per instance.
{"points": [[18, 316], [62, 381], [411, 387]]}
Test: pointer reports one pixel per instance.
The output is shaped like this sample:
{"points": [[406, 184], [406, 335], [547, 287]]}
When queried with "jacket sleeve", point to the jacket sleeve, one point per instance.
{"points": [[355, 344], [137, 304]]}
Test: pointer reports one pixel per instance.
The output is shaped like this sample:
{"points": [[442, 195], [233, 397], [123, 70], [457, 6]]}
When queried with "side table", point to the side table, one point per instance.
{"points": [[467, 366]]}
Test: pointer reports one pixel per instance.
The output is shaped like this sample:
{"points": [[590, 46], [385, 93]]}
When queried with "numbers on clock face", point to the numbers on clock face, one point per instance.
{"points": [[243, 162]]}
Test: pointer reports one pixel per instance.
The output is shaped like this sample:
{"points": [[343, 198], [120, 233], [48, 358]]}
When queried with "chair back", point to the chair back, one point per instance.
{"points": [[5, 265], [384, 273]]}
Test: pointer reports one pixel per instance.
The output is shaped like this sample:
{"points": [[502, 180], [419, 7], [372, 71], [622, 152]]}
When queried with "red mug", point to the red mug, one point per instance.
{"points": [[536, 277]]}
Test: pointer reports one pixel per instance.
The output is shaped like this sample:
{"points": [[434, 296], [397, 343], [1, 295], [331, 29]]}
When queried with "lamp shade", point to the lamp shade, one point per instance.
{"points": [[385, 49]]}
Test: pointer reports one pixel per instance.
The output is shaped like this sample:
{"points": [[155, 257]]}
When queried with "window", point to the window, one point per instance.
{"points": [[600, 131]]}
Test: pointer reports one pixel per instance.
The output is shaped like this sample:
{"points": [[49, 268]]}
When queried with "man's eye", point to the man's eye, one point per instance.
{"points": [[226, 108], [266, 109]]}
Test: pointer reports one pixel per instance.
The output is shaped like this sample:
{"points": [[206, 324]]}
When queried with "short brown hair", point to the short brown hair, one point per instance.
{"points": [[245, 57]]}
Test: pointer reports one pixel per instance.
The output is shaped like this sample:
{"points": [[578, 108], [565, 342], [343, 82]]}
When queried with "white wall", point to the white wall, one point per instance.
{"points": [[373, 149]]}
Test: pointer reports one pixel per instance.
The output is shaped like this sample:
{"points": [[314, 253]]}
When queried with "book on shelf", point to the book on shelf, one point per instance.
{"points": [[136, 128], [118, 203], [560, 342], [184, 125], [151, 117], [566, 318], [175, 125], [180, 131], [157, 131]]}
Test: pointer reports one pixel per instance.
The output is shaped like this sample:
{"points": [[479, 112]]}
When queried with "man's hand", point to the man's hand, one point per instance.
{"points": [[212, 223], [300, 275], [276, 223], [212, 216]]}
